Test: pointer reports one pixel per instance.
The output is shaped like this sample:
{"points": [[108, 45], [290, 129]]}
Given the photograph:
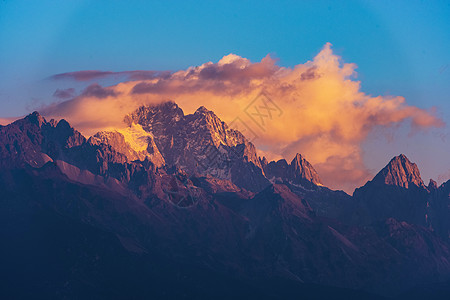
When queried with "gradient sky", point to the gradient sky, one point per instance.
{"points": [[401, 48]]}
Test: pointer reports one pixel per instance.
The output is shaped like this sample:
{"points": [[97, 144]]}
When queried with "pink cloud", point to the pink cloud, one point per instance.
{"points": [[89, 75], [323, 113]]}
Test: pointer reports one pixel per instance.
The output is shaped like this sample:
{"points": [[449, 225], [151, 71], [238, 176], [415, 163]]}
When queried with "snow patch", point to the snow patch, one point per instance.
{"points": [[136, 137]]}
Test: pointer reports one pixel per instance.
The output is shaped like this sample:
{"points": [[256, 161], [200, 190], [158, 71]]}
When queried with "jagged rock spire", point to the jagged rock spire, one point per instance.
{"points": [[303, 169], [35, 118], [299, 171], [400, 172], [432, 185]]}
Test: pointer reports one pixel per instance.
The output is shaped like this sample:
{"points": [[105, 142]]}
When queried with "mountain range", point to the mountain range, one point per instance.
{"points": [[181, 206]]}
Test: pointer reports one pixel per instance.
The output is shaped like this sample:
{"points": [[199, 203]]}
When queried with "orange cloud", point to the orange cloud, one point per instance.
{"points": [[316, 108]]}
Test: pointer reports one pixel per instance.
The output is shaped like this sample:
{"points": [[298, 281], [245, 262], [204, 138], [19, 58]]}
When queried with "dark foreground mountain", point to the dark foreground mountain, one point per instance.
{"points": [[180, 206]]}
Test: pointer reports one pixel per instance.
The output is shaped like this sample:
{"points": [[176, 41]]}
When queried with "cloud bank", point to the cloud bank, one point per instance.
{"points": [[316, 108]]}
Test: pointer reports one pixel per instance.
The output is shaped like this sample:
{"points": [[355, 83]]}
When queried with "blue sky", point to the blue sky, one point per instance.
{"points": [[401, 47]]}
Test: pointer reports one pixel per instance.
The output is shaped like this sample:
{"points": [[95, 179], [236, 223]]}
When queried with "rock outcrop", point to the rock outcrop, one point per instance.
{"points": [[299, 171], [200, 143], [400, 172]]}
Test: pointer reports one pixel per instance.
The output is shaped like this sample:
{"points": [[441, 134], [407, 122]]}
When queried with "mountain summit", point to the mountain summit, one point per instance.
{"points": [[397, 191], [302, 169], [201, 143], [400, 172], [299, 171]]}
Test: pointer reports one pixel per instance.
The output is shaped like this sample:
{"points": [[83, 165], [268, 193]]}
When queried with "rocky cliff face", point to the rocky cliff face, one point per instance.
{"points": [[201, 143], [34, 141], [397, 191], [133, 142], [299, 171], [400, 172]]}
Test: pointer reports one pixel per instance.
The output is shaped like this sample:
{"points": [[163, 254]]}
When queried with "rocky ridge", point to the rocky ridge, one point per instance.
{"points": [[159, 194]]}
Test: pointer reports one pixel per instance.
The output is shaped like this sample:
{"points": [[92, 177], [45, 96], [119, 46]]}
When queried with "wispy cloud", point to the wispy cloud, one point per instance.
{"points": [[89, 75], [97, 91], [64, 93], [325, 115]]}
